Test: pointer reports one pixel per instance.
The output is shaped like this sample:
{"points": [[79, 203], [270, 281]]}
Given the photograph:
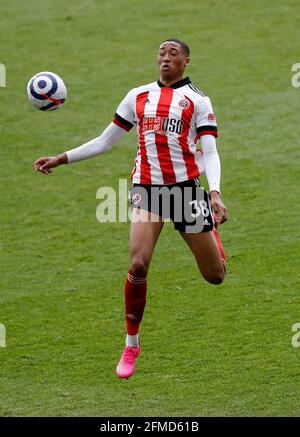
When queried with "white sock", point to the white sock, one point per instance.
{"points": [[132, 340]]}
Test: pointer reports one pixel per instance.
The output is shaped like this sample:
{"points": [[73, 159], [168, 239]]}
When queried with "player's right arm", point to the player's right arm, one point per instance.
{"points": [[122, 123], [95, 147]]}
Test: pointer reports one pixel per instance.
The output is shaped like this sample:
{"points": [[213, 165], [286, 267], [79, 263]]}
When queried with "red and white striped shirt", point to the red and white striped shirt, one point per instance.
{"points": [[169, 121]]}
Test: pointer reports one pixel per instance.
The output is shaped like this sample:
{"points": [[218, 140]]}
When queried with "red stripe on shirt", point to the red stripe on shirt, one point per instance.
{"points": [[134, 167], [145, 176], [189, 158], [161, 140]]}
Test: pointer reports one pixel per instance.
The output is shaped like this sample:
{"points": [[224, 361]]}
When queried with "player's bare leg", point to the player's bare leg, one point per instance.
{"points": [[208, 255], [144, 232]]}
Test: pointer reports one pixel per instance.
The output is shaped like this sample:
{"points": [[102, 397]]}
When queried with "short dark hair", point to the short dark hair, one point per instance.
{"points": [[182, 44]]}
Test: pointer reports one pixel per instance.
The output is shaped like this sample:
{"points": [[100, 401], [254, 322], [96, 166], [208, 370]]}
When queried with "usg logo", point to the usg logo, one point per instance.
{"points": [[2, 76], [2, 335]]}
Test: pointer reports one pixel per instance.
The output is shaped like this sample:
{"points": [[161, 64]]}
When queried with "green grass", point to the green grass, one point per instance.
{"points": [[207, 350]]}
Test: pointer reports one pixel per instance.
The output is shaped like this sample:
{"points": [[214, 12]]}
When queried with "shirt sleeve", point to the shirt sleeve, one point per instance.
{"points": [[206, 123], [125, 114], [98, 145], [211, 161]]}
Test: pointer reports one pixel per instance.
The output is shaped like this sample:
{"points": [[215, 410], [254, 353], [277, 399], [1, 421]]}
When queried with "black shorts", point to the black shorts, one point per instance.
{"points": [[185, 203]]}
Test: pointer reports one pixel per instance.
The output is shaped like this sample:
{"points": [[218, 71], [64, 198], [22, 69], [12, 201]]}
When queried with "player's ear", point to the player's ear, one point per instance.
{"points": [[187, 61]]}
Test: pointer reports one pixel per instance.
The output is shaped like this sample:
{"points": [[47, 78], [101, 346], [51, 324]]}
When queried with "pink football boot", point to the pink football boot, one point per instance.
{"points": [[126, 366]]}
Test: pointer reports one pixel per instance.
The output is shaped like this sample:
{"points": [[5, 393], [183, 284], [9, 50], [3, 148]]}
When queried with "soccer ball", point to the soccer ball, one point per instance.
{"points": [[46, 91]]}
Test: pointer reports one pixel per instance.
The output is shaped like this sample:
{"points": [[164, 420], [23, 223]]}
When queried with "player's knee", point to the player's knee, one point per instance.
{"points": [[139, 266], [217, 277]]}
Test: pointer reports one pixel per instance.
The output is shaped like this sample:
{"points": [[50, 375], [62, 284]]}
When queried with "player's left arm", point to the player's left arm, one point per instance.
{"points": [[207, 131], [213, 175]]}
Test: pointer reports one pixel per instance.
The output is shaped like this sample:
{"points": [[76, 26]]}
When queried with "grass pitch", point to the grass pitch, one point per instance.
{"points": [[206, 350]]}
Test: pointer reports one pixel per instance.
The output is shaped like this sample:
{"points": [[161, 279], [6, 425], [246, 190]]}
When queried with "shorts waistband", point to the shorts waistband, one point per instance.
{"points": [[188, 183]]}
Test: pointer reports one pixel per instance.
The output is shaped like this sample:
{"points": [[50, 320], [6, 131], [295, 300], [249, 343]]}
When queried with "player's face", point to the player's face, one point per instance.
{"points": [[171, 60]]}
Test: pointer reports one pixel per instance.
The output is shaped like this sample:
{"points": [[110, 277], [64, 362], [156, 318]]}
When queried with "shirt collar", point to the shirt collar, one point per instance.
{"points": [[175, 85]]}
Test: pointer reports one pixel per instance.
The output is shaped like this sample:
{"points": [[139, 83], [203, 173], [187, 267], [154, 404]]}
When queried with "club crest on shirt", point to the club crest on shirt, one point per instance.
{"points": [[184, 103], [136, 198]]}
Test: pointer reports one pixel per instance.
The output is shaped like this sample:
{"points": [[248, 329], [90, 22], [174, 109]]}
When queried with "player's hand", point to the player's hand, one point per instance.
{"points": [[45, 163], [220, 210]]}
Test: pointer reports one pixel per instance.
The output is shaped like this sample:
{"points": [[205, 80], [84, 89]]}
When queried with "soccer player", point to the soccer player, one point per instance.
{"points": [[170, 115]]}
